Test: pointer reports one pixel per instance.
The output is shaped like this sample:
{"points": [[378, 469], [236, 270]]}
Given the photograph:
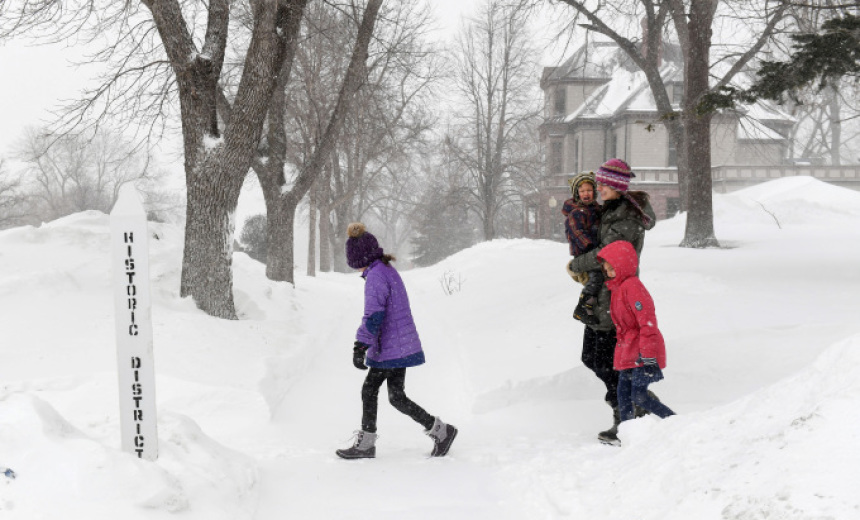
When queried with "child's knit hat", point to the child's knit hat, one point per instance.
{"points": [[361, 246], [576, 181], [616, 174]]}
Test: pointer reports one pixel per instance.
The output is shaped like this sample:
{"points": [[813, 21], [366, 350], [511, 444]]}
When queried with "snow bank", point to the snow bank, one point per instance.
{"points": [[782, 452], [65, 473]]}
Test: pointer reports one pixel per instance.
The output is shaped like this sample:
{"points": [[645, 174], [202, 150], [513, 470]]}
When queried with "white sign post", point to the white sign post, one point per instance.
{"points": [[135, 362]]}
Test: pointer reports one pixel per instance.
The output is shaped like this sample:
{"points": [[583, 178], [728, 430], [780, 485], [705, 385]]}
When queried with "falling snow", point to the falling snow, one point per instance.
{"points": [[763, 368]]}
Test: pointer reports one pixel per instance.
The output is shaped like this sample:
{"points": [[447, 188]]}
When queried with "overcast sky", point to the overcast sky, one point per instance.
{"points": [[33, 80]]}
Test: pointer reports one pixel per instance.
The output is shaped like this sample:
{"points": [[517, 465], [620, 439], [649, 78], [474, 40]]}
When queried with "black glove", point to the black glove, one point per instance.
{"points": [[358, 352]]}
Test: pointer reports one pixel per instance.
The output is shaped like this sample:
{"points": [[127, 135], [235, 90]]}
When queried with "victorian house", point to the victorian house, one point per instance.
{"points": [[598, 105]]}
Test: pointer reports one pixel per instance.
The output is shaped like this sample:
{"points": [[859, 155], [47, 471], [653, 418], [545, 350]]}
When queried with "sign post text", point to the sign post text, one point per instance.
{"points": [[132, 303]]}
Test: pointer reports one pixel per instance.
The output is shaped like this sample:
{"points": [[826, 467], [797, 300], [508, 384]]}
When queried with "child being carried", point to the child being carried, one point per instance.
{"points": [[582, 220]]}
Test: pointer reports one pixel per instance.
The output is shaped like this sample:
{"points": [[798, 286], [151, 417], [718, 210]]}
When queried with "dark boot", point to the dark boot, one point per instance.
{"points": [[610, 436], [584, 310], [443, 436], [363, 448]]}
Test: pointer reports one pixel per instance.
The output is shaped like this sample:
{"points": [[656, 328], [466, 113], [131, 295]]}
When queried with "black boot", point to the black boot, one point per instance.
{"points": [[363, 448], [584, 310], [610, 436], [443, 436]]}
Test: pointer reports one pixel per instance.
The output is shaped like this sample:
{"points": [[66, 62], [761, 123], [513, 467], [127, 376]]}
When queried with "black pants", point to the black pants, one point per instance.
{"points": [[598, 352], [396, 396]]}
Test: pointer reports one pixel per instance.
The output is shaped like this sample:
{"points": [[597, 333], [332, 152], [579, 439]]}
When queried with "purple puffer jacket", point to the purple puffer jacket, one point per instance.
{"points": [[387, 325]]}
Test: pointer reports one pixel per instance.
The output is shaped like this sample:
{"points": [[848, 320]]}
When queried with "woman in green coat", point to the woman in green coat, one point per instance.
{"points": [[625, 215]]}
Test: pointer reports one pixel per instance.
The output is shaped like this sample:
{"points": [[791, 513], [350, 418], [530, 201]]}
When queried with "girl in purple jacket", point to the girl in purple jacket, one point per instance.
{"points": [[387, 342]]}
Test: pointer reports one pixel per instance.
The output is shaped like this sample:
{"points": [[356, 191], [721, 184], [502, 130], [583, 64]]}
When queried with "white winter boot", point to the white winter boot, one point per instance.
{"points": [[443, 436], [363, 448]]}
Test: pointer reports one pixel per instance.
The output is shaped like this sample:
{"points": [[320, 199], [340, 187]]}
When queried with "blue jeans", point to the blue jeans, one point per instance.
{"points": [[633, 389]]}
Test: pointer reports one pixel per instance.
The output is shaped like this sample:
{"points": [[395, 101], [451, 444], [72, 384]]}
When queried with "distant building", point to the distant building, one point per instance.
{"points": [[598, 105]]}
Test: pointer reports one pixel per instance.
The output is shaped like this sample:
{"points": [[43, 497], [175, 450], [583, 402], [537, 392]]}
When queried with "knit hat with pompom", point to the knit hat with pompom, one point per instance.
{"points": [[361, 246], [616, 174]]}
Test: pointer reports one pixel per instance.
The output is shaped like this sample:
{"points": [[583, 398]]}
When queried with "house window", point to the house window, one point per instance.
{"points": [[677, 93], [560, 101], [672, 155], [531, 221], [556, 159], [613, 144], [557, 229], [575, 154]]}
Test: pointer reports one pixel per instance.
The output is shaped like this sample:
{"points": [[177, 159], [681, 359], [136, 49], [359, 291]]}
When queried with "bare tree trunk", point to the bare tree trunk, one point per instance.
{"points": [[325, 242], [676, 132], [214, 172], [488, 219], [312, 232], [208, 258], [280, 221], [338, 239], [324, 187], [494, 57], [216, 159], [279, 263], [835, 127], [700, 217]]}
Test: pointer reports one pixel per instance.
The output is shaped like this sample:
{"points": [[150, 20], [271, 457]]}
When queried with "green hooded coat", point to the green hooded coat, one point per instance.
{"points": [[619, 220]]}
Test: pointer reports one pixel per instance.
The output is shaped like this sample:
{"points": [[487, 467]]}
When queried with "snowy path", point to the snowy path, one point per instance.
{"points": [[323, 407]]}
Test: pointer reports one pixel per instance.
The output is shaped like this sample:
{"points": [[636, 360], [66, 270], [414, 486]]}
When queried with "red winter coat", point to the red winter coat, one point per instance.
{"points": [[632, 310]]}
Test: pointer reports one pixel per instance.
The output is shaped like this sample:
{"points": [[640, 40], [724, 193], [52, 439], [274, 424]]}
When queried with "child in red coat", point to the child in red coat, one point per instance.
{"points": [[640, 353]]}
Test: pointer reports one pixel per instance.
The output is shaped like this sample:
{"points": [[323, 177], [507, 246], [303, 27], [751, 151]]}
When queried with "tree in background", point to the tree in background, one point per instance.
{"points": [[77, 172], [639, 29], [811, 78], [823, 58], [825, 107], [496, 79], [442, 225], [753, 25], [442, 218], [370, 166], [11, 199], [254, 237], [282, 199], [161, 54], [694, 23]]}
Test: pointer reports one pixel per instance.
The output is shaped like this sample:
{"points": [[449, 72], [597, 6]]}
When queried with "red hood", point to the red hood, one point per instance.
{"points": [[622, 257]]}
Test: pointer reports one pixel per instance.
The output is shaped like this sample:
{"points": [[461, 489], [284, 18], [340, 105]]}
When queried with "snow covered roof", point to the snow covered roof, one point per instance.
{"points": [[751, 129], [644, 100], [767, 111], [621, 89], [584, 111], [595, 60], [627, 91]]}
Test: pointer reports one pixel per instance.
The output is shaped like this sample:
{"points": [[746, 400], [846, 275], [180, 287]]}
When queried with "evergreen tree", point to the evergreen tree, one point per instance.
{"points": [[824, 57], [254, 237], [442, 226]]}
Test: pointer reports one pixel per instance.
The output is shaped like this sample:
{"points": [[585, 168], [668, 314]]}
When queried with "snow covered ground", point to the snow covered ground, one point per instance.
{"points": [[763, 342]]}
